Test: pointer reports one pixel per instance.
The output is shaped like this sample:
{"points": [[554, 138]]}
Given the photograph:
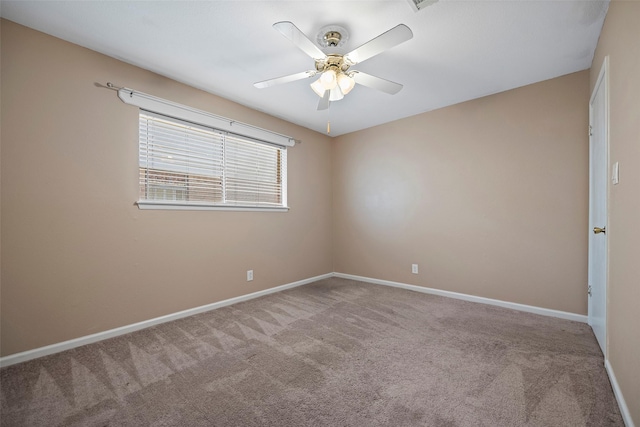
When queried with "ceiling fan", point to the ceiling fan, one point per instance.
{"points": [[336, 78]]}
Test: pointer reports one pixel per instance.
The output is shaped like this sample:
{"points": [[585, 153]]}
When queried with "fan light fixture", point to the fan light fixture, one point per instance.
{"points": [[337, 83], [329, 79], [346, 83], [318, 88], [335, 94]]}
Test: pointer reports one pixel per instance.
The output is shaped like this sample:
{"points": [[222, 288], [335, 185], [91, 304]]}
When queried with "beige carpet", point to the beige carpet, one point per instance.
{"points": [[332, 353]]}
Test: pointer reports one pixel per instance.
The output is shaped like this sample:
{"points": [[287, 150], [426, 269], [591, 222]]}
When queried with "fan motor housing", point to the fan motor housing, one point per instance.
{"points": [[333, 61]]}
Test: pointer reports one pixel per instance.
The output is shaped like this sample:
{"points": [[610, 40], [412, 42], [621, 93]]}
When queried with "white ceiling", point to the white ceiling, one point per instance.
{"points": [[461, 50]]}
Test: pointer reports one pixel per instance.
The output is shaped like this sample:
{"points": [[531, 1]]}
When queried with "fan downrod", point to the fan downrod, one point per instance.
{"points": [[332, 38]]}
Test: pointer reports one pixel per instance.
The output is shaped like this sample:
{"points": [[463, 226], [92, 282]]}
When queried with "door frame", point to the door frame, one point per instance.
{"points": [[603, 79]]}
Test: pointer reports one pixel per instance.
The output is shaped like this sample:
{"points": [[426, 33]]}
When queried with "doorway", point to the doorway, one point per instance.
{"points": [[598, 196]]}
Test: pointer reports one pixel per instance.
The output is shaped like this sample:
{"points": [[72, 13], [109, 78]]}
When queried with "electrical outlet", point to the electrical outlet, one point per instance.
{"points": [[249, 275], [414, 268]]}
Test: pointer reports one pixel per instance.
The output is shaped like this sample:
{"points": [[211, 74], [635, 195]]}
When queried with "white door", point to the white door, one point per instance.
{"points": [[598, 180]]}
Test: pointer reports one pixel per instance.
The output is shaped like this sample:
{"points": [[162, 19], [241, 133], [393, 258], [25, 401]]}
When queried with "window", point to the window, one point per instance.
{"points": [[183, 164]]}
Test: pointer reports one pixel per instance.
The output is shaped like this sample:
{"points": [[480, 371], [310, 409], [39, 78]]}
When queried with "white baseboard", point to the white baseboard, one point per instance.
{"points": [[512, 305], [88, 339], [624, 409], [77, 342]]}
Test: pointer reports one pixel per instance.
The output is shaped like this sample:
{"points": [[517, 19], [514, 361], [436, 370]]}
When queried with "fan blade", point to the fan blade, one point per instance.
{"points": [[285, 79], [324, 101], [298, 38], [376, 83], [384, 41]]}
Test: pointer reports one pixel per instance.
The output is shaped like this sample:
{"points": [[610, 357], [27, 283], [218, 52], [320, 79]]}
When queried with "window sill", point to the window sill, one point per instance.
{"points": [[144, 204]]}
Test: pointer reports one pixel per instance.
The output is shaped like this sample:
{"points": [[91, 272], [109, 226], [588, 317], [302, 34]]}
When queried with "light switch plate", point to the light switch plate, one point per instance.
{"points": [[615, 173]]}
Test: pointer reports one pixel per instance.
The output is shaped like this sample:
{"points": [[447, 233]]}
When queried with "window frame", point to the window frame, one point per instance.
{"points": [[181, 113]]}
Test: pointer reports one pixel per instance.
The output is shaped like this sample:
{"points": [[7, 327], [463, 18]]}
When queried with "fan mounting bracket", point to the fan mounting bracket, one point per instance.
{"points": [[332, 36]]}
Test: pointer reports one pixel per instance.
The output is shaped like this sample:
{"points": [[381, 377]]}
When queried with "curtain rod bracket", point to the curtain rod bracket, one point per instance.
{"points": [[114, 87]]}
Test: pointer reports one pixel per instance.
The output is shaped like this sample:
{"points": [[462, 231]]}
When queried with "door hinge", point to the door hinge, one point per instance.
{"points": [[589, 290], [590, 130]]}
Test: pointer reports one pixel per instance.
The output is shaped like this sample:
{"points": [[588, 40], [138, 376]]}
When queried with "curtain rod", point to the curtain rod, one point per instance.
{"points": [[231, 121]]}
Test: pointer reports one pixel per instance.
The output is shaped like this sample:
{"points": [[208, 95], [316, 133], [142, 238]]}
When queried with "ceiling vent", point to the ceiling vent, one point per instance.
{"points": [[420, 4]]}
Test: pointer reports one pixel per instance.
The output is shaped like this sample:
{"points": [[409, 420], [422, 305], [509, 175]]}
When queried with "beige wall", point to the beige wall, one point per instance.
{"points": [[620, 40], [489, 197], [79, 257]]}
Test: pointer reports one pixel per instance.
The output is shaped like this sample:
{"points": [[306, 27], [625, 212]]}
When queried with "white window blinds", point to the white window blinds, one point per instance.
{"points": [[185, 164]]}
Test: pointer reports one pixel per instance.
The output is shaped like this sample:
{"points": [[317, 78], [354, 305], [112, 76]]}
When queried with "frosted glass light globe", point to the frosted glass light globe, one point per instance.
{"points": [[328, 79]]}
